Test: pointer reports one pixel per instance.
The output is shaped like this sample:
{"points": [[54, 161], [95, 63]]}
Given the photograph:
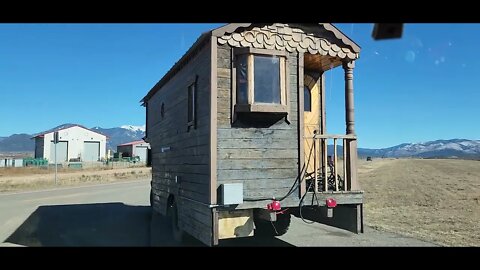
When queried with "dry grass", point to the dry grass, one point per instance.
{"points": [[27, 171], [434, 200], [21, 179]]}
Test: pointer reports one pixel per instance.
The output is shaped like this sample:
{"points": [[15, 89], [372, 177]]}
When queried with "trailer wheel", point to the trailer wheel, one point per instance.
{"points": [[265, 228], [177, 232]]}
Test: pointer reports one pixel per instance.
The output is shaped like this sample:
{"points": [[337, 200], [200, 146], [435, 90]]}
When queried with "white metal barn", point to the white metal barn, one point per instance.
{"points": [[75, 143], [133, 149]]}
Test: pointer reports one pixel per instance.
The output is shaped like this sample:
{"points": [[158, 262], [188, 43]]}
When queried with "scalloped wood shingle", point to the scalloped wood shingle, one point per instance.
{"points": [[284, 38]]}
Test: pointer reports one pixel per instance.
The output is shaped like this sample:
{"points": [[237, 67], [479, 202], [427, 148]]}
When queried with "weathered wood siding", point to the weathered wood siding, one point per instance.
{"points": [[183, 169], [264, 159]]}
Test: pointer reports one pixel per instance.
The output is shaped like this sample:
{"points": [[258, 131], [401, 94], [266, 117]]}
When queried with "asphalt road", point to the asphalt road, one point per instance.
{"points": [[118, 215]]}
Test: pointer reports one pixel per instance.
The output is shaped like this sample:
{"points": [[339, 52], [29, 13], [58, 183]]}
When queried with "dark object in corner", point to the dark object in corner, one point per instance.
{"points": [[387, 31]]}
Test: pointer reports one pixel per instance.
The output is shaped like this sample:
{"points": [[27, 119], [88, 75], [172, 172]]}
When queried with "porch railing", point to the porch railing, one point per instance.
{"points": [[325, 170]]}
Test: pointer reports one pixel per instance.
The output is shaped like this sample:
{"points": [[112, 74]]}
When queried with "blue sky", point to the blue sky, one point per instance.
{"points": [[418, 88]]}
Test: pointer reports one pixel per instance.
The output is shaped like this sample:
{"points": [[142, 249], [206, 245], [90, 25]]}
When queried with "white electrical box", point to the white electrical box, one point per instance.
{"points": [[231, 193]]}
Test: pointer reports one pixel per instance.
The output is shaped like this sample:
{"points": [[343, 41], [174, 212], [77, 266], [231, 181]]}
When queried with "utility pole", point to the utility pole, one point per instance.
{"points": [[55, 141]]}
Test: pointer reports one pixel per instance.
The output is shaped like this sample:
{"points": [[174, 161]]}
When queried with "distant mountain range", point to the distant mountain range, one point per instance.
{"points": [[17, 143], [455, 148], [116, 136]]}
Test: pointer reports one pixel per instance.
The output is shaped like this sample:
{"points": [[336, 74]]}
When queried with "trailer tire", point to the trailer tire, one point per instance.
{"points": [[177, 233], [265, 228]]}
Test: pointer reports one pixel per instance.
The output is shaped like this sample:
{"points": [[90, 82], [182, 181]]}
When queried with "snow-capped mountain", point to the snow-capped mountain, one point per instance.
{"points": [[134, 128], [123, 134], [455, 148]]}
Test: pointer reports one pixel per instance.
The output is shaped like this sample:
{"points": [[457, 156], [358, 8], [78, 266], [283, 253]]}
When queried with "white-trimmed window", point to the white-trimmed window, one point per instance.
{"points": [[260, 80]]}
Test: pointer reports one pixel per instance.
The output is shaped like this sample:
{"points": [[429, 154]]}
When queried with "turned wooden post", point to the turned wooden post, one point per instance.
{"points": [[349, 110], [351, 146]]}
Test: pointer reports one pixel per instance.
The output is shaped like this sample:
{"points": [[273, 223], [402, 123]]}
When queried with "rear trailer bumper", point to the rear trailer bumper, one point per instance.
{"points": [[347, 213], [344, 216], [237, 220]]}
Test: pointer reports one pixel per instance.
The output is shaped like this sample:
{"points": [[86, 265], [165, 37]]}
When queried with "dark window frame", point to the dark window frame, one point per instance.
{"points": [[162, 110], [307, 91], [192, 103]]}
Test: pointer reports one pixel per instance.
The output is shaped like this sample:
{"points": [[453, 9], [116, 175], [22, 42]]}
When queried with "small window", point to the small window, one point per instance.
{"points": [[162, 110], [267, 79], [242, 79], [307, 99], [191, 105], [260, 80]]}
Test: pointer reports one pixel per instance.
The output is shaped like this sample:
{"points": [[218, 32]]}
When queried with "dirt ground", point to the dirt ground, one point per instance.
{"points": [[433, 200], [22, 179]]}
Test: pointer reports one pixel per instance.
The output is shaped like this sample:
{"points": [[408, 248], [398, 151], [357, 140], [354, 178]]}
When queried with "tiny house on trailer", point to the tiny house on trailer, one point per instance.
{"points": [[238, 133]]}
